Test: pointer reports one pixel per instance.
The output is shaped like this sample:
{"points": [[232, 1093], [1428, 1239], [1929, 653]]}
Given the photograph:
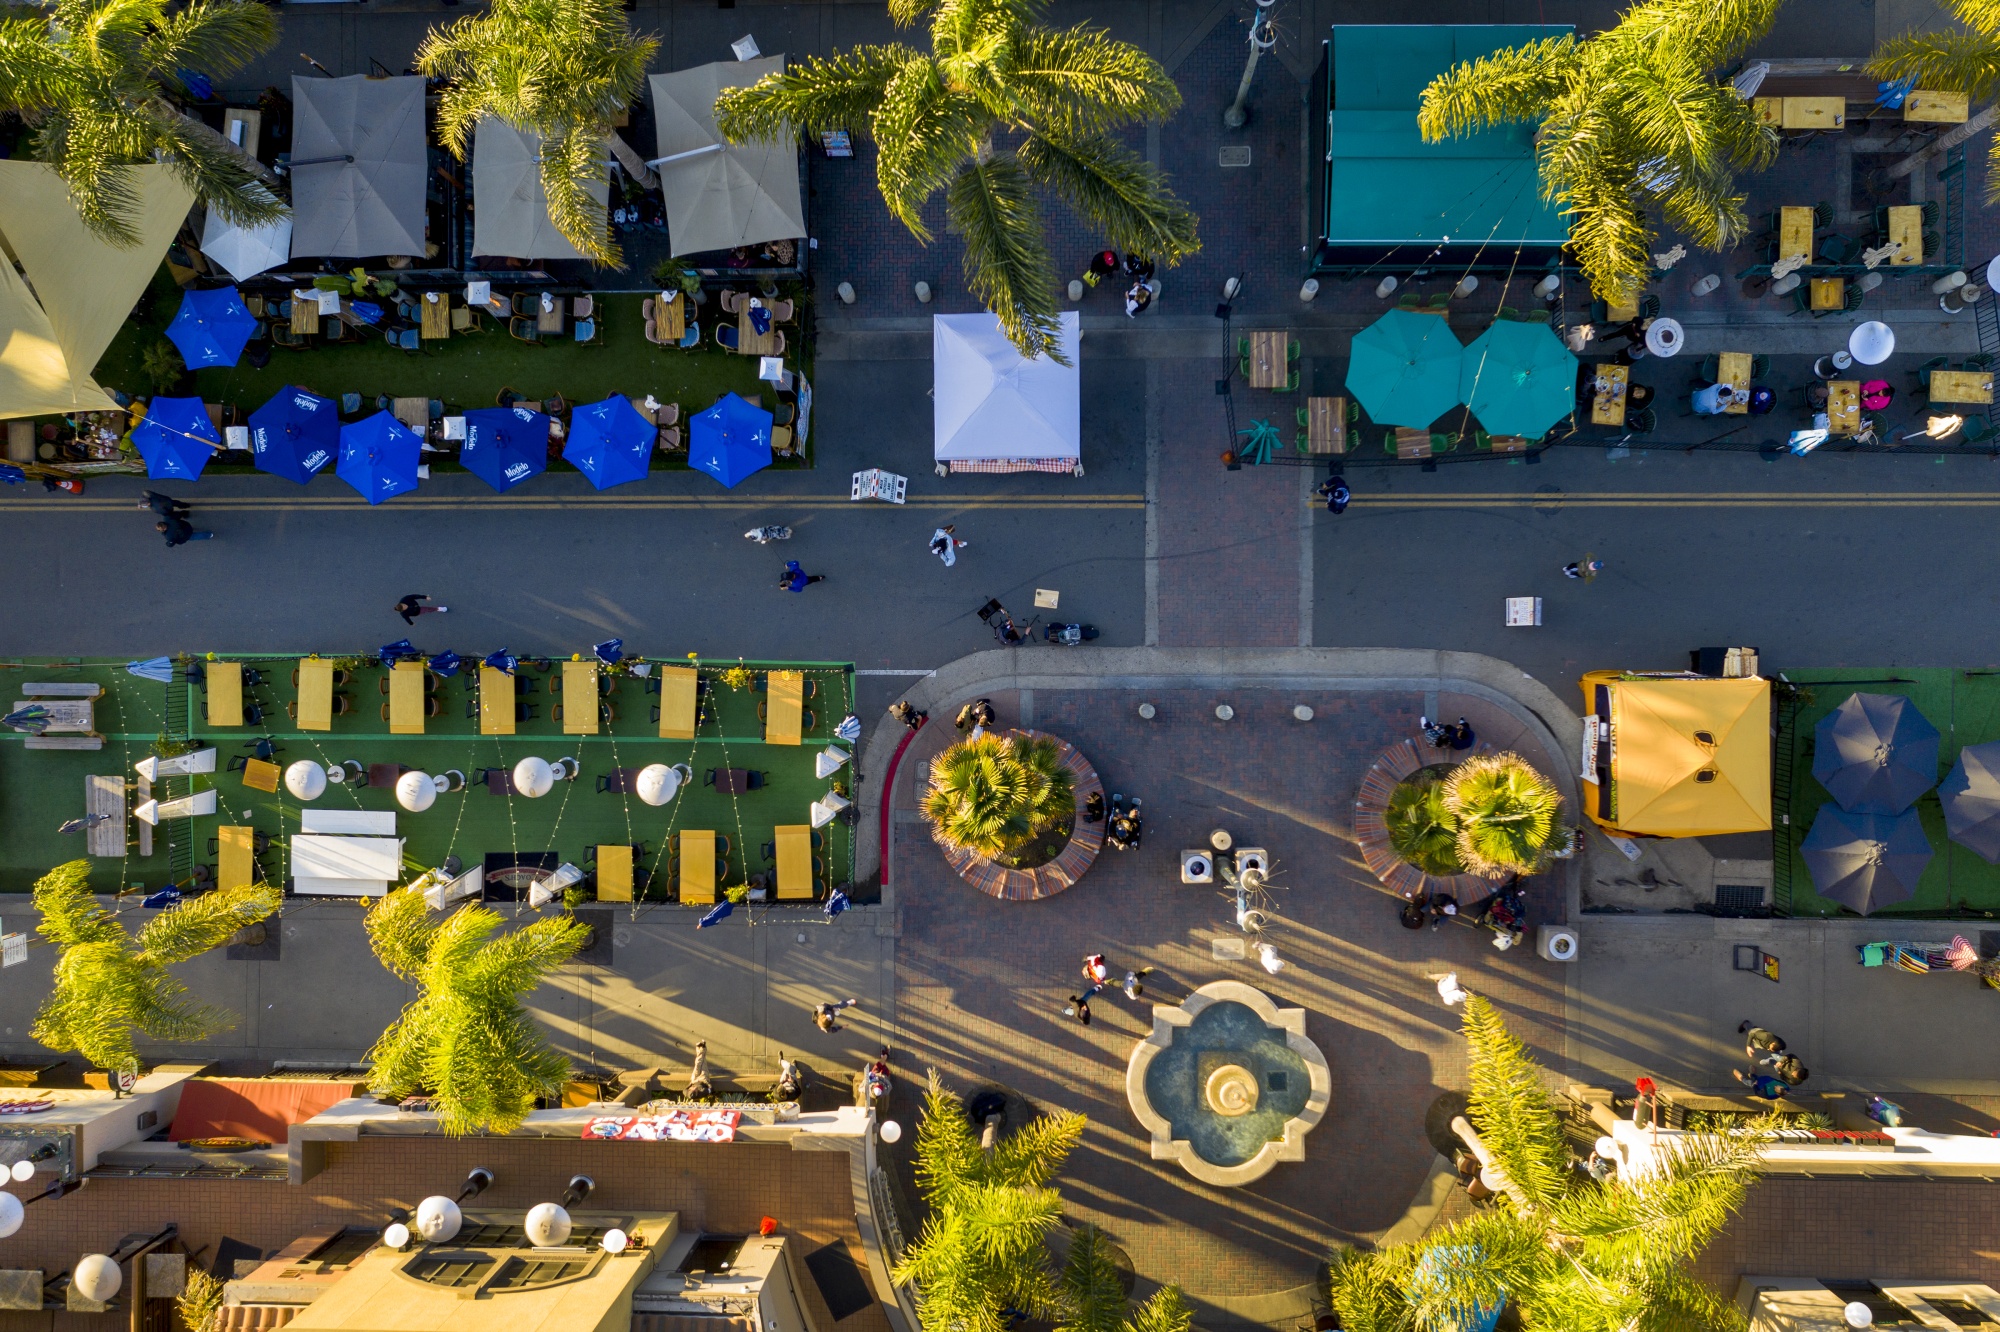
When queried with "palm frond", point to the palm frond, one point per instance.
{"points": [[1370, 1289], [1124, 197], [570, 164], [1476, 1264], [400, 930], [991, 206], [1166, 1311], [1501, 88], [198, 924], [923, 130], [1422, 830], [214, 36], [1948, 61], [1079, 82], [948, 1155], [1512, 1109], [1677, 1302], [1095, 1296], [70, 914], [1031, 1155], [1505, 811], [841, 91]]}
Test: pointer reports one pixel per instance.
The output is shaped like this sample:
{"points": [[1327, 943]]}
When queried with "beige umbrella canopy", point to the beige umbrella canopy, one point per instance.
{"points": [[722, 195], [511, 211], [358, 166]]}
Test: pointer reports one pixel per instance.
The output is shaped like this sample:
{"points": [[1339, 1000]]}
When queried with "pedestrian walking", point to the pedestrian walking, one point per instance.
{"points": [[1437, 733], [1134, 986], [698, 1086], [1137, 299], [1759, 1044], [1443, 908], [1886, 1113], [790, 1083], [179, 531], [1461, 734], [946, 546], [824, 1015], [1267, 956], [1336, 494], [164, 505], [912, 717], [976, 716], [795, 579], [1079, 1008], [1449, 989], [1413, 913], [1790, 1069], [1586, 568], [1766, 1085], [411, 606], [1102, 265], [1096, 970]]}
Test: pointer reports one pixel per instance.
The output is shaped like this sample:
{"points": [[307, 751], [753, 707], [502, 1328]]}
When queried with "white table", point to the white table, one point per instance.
{"points": [[770, 368], [368, 858], [348, 822], [236, 437], [454, 427]]}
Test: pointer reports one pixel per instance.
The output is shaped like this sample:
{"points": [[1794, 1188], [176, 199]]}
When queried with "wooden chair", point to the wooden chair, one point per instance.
{"points": [[525, 304], [781, 311], [523, 330], [670, 441], [778, 349], [582, 307], [781, 442], [282, 336], [725, 337], [732, 301]]}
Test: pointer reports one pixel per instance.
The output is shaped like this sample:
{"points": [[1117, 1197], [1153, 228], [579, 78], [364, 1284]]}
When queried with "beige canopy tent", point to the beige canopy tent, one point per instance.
{"points": [[511, 213], [83, 288], [721, 195]]}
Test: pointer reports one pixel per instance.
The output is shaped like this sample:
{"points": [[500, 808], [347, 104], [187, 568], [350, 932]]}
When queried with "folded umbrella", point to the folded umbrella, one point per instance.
{"points": [[33, 719], [402, 648], [176, 439], [716, 914], [445, 664], [212, 327], [502, 660], [610, 651], [153, 668]]}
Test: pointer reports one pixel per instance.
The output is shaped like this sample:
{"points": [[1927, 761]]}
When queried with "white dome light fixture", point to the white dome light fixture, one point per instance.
{"points": [[438, 1219], [548, 1226], [97, 1278], [416, 791], [534, 778], [22, 1171], [397, 1235], [12, 1213], [615, 1240], [890, 1131], [1858, 1315]]}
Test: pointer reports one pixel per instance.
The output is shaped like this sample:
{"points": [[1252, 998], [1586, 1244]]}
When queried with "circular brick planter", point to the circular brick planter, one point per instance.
{"points": [[1399, 876], [1028, 885]]}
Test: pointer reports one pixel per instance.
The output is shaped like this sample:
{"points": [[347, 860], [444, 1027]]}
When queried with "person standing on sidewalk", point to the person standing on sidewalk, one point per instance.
{"points": [[1461, 734], [179, 531], [411, 606], [795, 579], [1765, 1085], [824, 1015]]}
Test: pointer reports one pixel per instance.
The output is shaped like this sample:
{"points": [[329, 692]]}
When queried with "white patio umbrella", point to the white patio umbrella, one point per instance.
{"points": [[825, 809], [416, 791], [306, 780], [1872, 343], [247, 251]]}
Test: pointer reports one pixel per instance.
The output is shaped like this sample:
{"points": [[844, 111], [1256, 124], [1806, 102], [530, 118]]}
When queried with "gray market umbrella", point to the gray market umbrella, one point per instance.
{"points": [[1865, 861], [1875, 754], [359, 166], [1970, 795]]}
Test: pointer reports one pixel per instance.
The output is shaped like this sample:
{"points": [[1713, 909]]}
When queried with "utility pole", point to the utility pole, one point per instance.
{"points": [[1262, 39]]}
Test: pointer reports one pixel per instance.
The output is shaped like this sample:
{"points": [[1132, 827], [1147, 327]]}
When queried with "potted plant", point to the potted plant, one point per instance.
{"points": [[1493, 815], [1007, 798]]}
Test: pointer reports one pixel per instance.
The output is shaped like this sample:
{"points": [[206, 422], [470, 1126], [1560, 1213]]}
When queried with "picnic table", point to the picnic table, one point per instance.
{"points": [[1607, 398], [786, 697], [1795, 233], [225, 693], [795, 865], [406, 698], [1801, 113], [1843, 406], [697, 873], [496, 701], [105, 795], [305, 313], [670, 316], [1733, 369], [614, 872], [434, 311], [1326, 425], [235, 856], [1270, 358], [1829, 293], [678, 701], [1974, 386], [315, 694], [579, 689], [1937, 108], [550, 319], [749, 341], [1906, 229]]}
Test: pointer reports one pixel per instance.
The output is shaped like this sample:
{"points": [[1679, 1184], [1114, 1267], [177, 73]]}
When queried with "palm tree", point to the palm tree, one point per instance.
{"points": [[1421, 829], [109, 984], [563, 69], [1094, 1292], [1629, 118], [992, 793], [983, 1248], [465, 1039], [1567, 1251], [1965, 62], [93, 79], [1505, 813], [999, 107]]}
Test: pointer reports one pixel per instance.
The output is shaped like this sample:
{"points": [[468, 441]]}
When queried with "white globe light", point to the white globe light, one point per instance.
{"points": [[657, 783], [1607, 1147], [97, 1278], [547, 1226], [1858, 1314], [397, 1235], [533, 777], [890, 1131], [306, 780], [416, 791], [11, 1214], [22, 1171], [438, 1218], [615, 1240]]}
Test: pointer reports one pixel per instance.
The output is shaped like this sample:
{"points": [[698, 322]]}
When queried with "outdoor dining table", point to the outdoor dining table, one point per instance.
{"points": [[697, 872], [496, 701], [1607, 398], [1733, 369], [1937, 108], [414, 413], [434, 312], [1795, 234], [670, 316], [1906, 230], [550, 320], [1412, 443], [225, 693], [315, 694], [261, 775], [677, 701], [406, 698], [614, 872], [305, 313], [786, 695], [1326, 425], [235, 857], [795, 864], [1829, 293], [749, 341], [732, 781], [1843, 406], [1801, 113], [1270, 364], [579, 687], [1974, 386]]}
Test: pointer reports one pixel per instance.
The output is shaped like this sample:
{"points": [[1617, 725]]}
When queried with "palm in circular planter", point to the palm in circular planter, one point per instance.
{"points": [[992, 794], [1492, 816]]}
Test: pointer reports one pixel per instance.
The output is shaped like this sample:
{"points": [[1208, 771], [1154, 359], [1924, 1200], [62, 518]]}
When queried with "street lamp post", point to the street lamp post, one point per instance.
{"points": [[1262, 39]]}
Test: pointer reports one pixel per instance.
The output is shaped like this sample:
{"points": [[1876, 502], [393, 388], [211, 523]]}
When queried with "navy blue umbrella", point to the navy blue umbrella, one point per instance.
{"points": [[378, 457], [716, 914], [609, 442], [730, 440], [445, 664], [1875, 754], [504, 446], [503, 660], [211, 328], [295, 434], [391, 653], [176, 439], [1865, 861]]}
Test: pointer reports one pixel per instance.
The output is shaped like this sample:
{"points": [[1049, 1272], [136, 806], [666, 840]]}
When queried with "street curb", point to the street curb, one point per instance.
{"points": [[1554, 724]]}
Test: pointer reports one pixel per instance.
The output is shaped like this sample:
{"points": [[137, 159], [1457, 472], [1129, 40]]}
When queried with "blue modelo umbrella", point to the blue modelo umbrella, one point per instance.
{"points": [[504, 446], [1403, 369], [1518, 378], [730, 440], [211, 328], [609, 442], [378, 457], [295, 434], [176, 439]]}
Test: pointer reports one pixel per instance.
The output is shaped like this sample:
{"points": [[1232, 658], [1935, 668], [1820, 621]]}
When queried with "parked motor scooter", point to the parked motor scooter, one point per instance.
{"points": [[765, 535], [1068, 635]]}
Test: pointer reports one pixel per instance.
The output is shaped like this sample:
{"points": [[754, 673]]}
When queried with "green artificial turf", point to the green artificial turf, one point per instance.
{"points": [[41, 788]]}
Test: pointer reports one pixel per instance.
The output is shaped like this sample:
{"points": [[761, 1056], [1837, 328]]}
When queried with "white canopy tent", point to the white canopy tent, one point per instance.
{"points": [[511, 212], [721, 195], [996, 411], [359, 166]]}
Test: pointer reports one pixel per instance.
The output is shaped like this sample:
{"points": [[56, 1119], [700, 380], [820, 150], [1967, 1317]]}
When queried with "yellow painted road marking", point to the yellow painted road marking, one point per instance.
{"points": [[593, 503]]}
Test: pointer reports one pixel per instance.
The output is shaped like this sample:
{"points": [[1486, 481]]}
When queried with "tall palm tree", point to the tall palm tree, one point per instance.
{"points": [[999, 107], [1966, 62], [465, 1039], [992, 793], [1094, 1293], [1422, 830], [1567, 1251], [983, 1248], [1505, 814], [109, 984], [93, 79], [1630, 119], [563, 69]]}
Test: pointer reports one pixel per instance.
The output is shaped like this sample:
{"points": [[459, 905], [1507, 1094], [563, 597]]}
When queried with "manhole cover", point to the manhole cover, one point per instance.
{"points": [[1234, 155]]}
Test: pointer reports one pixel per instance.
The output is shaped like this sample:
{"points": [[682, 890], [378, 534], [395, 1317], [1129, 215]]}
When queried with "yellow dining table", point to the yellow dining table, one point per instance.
{"points": [[1733, 369], [235, 857], [1795, 233], [1906, 228], [579, 698], [677, 702], [614, 872], [1970, 386], [315, 694], [697, 865], [496, 701], [225, 693], [406, 698], [795, 862], [786, 694]]}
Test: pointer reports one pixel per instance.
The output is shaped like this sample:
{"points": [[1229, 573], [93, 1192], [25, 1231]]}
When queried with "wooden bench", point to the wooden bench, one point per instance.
{"points": [[640, 1085], [105, 795], [63, 742], [61, 689]]}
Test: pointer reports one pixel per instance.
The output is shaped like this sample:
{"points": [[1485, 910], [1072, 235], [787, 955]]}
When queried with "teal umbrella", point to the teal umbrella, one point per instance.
{"points": [[1518, 379], [1404, 369]]}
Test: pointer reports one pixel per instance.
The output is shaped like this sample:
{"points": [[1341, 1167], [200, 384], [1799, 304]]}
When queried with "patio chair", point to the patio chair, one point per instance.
{"points": [[466, 320], [732, 301], [692, 338], [670, 439], [668, 413], [1976, 429], [1849, 303], [523, 330], [585, 332], [1641, 422], [1976, 363], [406, 340], [525, 303], [257, 351], [781, 311], [582, 307], [282, 336], [556, 406], [334, 330], [781, 442], [1822, 215], [1837, 249], [725, 337], [649, 307], [784, 414], [1921, 376], [778, 344]]}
